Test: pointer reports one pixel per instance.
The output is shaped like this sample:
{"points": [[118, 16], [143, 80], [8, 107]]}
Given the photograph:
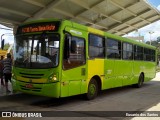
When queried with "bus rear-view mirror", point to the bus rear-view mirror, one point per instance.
{"points": [[2, 44]]}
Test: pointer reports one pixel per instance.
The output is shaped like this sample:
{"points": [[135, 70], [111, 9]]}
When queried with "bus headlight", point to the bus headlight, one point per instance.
{"points": [[53, 78]]}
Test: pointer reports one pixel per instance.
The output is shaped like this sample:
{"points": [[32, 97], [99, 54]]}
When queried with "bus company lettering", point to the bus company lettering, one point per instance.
{"points": [[38, 28], [15, 114]]}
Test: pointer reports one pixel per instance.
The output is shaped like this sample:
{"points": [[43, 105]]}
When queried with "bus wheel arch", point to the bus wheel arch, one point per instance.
{"points": [[99, 82], [94, 87], [143, 75], [140, 80]]}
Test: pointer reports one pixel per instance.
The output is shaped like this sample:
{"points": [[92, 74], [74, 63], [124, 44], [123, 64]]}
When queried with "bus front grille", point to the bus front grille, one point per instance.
{"points": [[33, 76]]}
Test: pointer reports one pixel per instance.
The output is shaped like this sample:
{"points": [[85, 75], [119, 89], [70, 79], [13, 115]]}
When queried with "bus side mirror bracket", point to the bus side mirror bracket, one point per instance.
{"points": [[67, 45], [2, 44]]}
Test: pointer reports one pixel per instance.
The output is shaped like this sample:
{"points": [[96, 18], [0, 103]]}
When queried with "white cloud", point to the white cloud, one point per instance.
{"points": [[6, 34], [154, 27], [158, 7]]}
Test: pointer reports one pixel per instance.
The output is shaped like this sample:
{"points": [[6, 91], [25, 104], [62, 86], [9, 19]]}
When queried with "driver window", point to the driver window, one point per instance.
{"points": [[76, 53], [52, 48]]}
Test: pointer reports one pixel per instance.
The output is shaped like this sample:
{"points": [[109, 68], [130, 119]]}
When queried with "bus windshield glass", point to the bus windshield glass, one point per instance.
{"points": [[36, 51]]}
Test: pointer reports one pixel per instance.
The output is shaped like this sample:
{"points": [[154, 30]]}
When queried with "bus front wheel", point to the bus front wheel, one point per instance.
{"points": [[92, 90]]}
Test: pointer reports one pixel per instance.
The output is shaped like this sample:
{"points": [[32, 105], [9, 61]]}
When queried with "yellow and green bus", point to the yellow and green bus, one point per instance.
{"points": [[60, 58]]}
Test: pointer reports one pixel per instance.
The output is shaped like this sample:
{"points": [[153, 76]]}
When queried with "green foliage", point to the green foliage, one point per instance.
{"points": [[158, 45], [6, 46], [155, 43], [148, 42], [158, 39]]}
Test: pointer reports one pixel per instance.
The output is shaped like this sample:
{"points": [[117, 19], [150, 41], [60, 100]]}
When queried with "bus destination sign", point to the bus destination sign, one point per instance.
{"points": [[38, 27]]}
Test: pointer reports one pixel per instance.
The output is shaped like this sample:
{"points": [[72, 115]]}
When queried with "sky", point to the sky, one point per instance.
{"points": [[154, 28], [6, 34], [154, 2]]}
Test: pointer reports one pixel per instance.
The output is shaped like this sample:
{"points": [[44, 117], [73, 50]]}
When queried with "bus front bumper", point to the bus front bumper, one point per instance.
{"points": [[42, 89]]}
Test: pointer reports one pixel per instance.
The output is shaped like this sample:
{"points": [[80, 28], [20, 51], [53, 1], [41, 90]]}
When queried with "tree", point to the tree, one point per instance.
{"points": [[153, 43], [6, 46], [158, 39]]}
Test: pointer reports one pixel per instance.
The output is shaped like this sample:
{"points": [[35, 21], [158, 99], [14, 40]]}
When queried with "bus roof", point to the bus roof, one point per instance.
{"points": [[91, 30]]}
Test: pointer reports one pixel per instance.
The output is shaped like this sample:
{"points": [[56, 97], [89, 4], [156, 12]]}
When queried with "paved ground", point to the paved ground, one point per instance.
{"points": [[155, 107], [125, 99], [3, 90]]}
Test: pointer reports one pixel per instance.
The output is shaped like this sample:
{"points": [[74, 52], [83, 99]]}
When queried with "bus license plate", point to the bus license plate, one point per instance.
{"points": [[29, 86]]}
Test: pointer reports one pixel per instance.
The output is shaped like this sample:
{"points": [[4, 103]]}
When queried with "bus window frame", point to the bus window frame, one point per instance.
{"points": [[69, 51], [103, 46], [106, 47], [132, 52], [142, 52]]}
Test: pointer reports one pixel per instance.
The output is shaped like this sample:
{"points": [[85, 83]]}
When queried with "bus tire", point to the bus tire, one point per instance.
{"points": [[92, 90], [140, 81]]}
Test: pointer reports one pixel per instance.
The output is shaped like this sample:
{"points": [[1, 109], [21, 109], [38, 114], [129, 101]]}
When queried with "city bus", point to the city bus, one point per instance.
{"points": [[61, 58]]}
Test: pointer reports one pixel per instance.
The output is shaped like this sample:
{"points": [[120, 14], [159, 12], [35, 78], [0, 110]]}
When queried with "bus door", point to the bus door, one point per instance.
{"points": [[74, 69]]}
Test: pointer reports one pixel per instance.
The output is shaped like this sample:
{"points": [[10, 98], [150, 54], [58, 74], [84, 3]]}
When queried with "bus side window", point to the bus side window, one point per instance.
{"points": [[96, 46], [74, 52], [113, 50]]}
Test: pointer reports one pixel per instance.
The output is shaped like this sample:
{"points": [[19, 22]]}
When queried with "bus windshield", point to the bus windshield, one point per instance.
{"points": [[36, 51]]}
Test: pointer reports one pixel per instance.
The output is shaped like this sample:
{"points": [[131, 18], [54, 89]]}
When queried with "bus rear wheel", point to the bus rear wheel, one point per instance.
{"points": [[92, 90], [140, 81]]}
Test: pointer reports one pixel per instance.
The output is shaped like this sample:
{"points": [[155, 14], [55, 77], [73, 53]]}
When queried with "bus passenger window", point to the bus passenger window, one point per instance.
{"points": [[149, 55], [113, 49], [138, 52], [96, 46], [127, 51]]}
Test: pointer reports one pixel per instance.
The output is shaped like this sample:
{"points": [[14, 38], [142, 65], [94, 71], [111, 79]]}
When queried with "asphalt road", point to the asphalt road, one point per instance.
{"points": [[109, 105]]}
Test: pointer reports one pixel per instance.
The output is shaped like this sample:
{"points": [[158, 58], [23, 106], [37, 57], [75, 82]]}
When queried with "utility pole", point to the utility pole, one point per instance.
{"points": [[150, 37], [3, 35]]}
